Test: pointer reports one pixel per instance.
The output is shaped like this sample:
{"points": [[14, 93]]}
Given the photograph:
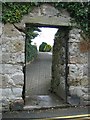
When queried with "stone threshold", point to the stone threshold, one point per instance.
{"points": [[29, 107]]}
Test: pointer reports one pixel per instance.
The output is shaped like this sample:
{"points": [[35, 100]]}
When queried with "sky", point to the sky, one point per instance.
{"points": [[46, 35]]}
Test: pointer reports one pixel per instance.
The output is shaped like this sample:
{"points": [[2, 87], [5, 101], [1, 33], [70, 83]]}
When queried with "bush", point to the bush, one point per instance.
{"points": [[47, 48], [44, 47]]}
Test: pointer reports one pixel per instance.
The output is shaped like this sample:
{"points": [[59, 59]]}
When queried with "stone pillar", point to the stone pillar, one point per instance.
{"points": [[78, 69], [58, 82], [11, 68]]}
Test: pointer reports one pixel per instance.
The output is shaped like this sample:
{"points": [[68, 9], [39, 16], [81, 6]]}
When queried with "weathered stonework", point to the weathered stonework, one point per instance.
{"points": [[11, 68], [12, 58], [58, 82], [78, 68]]}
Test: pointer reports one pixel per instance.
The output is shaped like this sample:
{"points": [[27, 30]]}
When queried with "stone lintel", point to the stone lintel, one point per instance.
{"points": [[47, 21]]}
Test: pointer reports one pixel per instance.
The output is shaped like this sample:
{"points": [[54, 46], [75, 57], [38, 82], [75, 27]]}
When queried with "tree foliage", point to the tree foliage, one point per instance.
{"points": [[31, 50], [80, 12], [31, 33], [12, 12]]}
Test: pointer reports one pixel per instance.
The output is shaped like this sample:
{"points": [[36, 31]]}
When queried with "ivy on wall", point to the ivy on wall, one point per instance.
{"points": [[12, 12]]}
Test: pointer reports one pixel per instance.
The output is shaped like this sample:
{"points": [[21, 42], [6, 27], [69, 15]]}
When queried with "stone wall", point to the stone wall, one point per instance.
{"points": [[12, 46], [78, 68]]}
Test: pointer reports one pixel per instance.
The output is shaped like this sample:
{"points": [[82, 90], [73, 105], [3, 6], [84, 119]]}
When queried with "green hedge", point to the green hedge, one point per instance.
{"points": [[47, 48], [31, 52], [44, 47]]}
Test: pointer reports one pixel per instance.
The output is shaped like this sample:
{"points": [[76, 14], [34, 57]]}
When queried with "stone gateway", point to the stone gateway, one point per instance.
{"points": [[12, 58]]}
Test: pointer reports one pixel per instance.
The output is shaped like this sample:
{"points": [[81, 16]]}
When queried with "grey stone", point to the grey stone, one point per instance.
{"points": [[76, 91], [0, 80], [11, 83], [75, 31], [79, 91], [76, 70], [49, 10], [5, 57], [73, 48], [73, 100], [0, 57], [84, 81], [10, 30], [86, 89], [10, 69], [17, 92], [7, 92], [13, 58], [5, 79], [85, 102], [17, 105], [18, 78], [13, 46], [86, 97], [4, 101], [19, 57], [85, 70]]}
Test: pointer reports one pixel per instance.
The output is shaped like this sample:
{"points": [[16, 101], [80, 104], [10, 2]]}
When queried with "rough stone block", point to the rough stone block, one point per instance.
{"points": [[49, 10], [85, 81], [17, 105], [6, 92], [86, 102], [76, 91], [78, 59], [10, 30], [13, 46], [76, 70], [0, 57], [75, 31], [14, 58], [5, 79], [17, 92], [11, 83], [19, 57], [0, 80], [73, 49], [86, 89], [4, 101], [85, 70], [71, 40], [18, 78], [86, 97], [10, 69]]}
